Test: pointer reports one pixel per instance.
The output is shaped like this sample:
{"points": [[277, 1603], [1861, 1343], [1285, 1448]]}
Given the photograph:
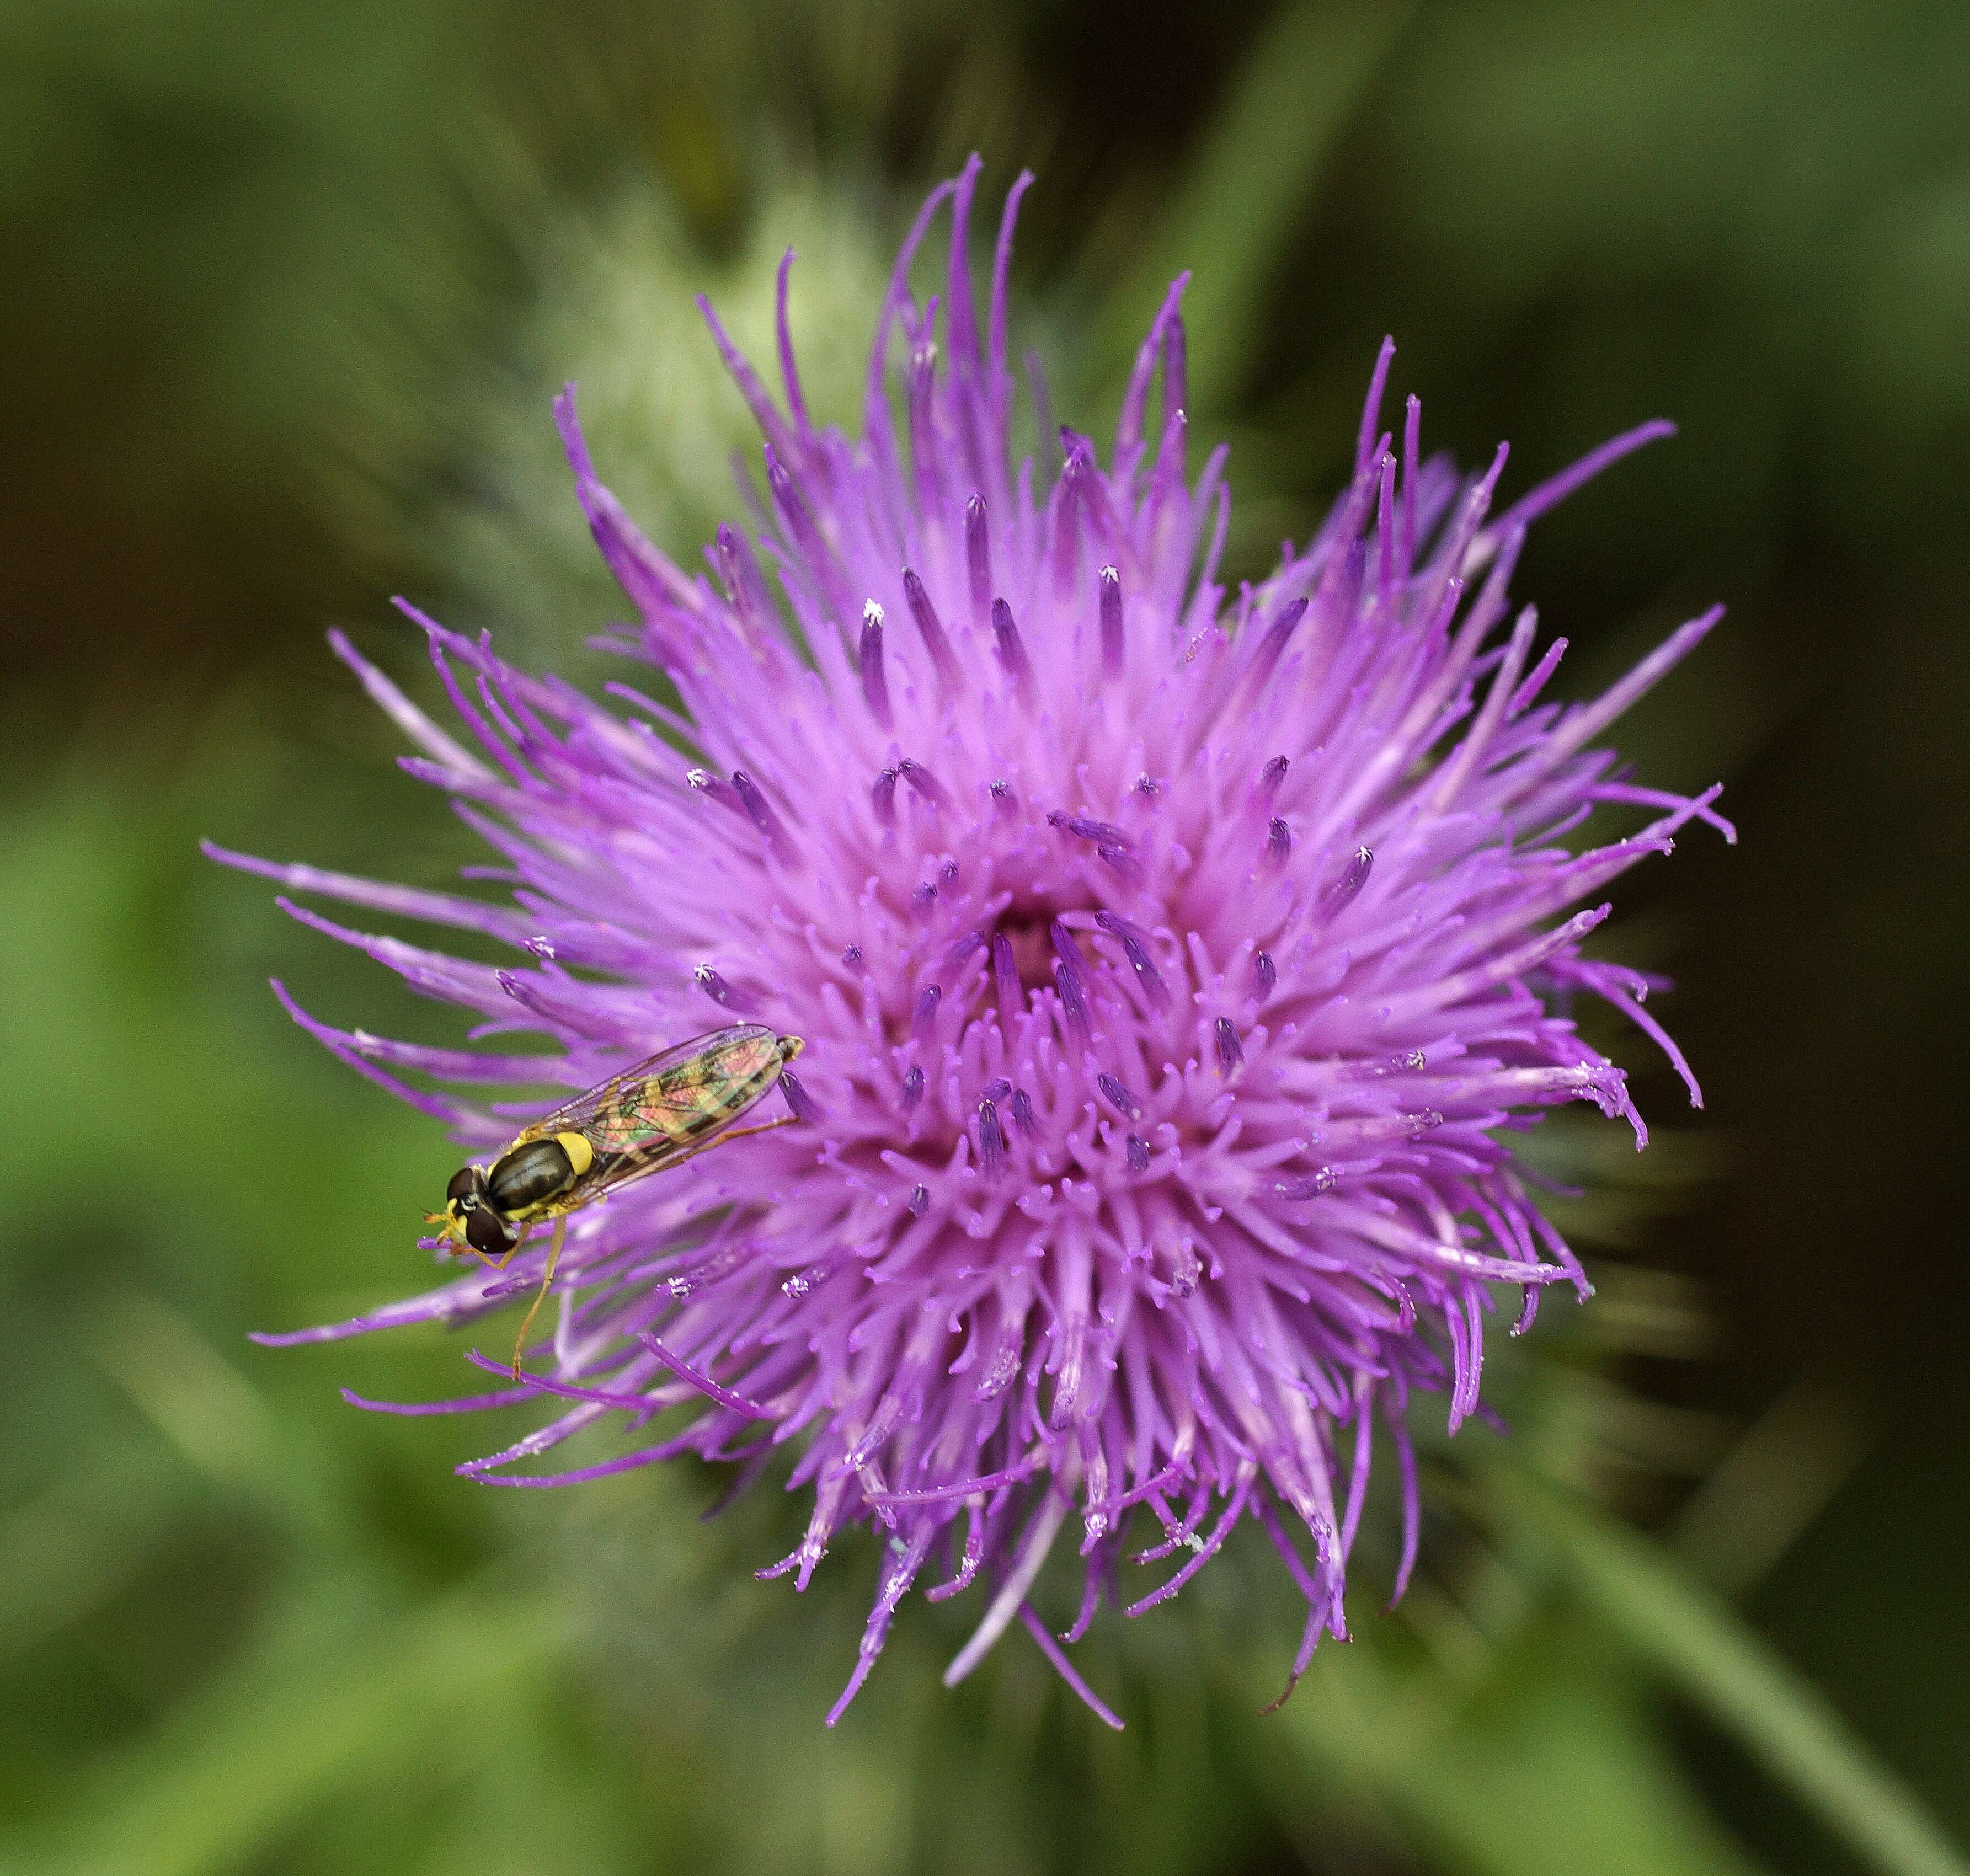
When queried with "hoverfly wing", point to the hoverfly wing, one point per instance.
{"points": [[640, 1121], [644, 1079], [616, 1167]]}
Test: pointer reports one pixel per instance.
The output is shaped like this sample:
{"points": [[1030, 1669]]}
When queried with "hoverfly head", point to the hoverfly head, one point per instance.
{"points": [[466, 1217]]}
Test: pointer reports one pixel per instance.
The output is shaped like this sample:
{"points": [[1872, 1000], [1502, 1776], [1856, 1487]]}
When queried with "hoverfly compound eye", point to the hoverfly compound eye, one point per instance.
{"points": [[464, 1185], [485, 1234]]}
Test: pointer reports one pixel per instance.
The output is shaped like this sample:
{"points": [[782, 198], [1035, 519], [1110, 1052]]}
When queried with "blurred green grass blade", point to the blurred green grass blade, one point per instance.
{"points": [[1248, 189], [1770, 1487], [1712, 1656], [1484, 1797], [1470, 1779], [311, 1713]]}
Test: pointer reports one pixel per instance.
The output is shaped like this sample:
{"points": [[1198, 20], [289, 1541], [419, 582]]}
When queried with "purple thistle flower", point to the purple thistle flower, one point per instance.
{"points": [[1170, 965]]}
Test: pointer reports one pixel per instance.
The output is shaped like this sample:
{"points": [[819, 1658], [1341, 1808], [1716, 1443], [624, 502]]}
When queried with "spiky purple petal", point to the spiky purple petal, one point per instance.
{"points": [[1168, 972]]}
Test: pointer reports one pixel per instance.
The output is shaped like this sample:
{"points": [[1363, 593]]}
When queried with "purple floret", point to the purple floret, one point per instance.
{"points": [[1169, 962]]}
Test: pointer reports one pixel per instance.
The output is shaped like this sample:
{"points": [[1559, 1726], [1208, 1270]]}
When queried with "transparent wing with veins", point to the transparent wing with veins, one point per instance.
{"points": [[660, 1108]]}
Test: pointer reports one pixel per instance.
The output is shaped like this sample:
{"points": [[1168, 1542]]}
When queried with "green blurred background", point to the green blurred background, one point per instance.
{"points": [[289, 290]]}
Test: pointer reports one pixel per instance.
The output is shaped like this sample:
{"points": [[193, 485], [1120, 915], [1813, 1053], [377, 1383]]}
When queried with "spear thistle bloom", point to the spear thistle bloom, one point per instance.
{"points": [[1176, 968]]}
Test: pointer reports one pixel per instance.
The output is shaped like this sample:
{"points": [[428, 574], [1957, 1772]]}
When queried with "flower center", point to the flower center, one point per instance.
{"points": [[1027, 925]]}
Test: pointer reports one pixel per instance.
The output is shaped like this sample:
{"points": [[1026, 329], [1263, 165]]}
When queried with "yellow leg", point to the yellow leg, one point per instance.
{"points": [[540, 1295], [460, 1248], [500, 1263]]}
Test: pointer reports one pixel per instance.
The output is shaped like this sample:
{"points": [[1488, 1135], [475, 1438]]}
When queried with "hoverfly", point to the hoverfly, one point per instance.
{"points": [[662, 1112]]}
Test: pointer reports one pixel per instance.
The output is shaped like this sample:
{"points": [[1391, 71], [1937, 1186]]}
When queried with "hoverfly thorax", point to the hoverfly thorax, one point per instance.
{"points": [[532, 1176]]}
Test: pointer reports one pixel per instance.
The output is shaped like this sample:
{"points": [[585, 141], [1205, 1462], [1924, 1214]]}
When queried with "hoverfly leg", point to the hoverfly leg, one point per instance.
{"points": [[540, 1295], [505, 1257]]}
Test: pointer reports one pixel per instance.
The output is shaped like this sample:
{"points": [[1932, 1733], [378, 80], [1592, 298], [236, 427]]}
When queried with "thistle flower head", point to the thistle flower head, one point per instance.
{"points": [[1176, 966]]}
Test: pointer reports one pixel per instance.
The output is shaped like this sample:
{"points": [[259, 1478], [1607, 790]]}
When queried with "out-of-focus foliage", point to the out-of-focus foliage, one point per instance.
{"points": [[292, 294], [612, 320]]}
